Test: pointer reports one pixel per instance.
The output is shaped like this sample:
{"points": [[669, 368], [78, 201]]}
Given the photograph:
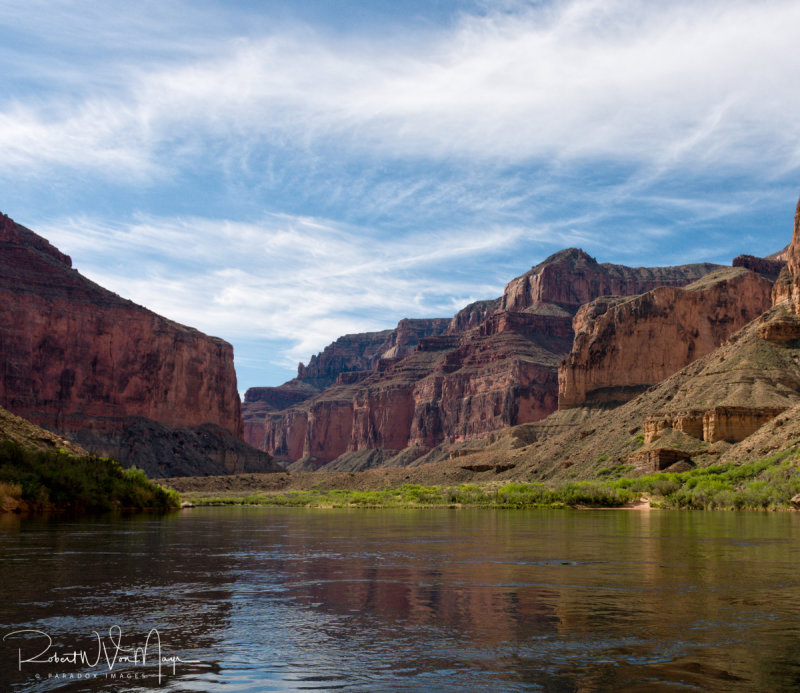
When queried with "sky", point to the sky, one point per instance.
{"points": [[279, 173]]}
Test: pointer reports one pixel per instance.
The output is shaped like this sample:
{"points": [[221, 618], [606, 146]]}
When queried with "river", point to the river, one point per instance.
{"points": [[268, 599]]}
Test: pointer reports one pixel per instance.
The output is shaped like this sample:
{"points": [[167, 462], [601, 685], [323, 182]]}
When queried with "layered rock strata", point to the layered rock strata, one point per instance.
{"points": [[346, 361], [765, 266], [73, 353], [729, 423], [362, 352], [495, 365], [571, 278], [449, 388], [787, 288], [623, 346]]}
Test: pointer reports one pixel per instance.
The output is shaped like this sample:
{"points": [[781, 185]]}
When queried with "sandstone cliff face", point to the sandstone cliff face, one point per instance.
{"points": [[473, 315], [259, 402], [709, 411], [787, 288], [348, 360], [765, 266], [624, 346], [451, 388], [571, 278], [72, 353], [493, 365], [362, 352]]}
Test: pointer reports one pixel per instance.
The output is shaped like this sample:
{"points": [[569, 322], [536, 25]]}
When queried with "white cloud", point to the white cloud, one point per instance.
{"points": [[300, 280], [533, 127], [661, 84]]}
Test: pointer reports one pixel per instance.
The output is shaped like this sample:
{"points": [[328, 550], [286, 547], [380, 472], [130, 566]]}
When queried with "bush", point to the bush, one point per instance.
{"points": [[57, 480]]}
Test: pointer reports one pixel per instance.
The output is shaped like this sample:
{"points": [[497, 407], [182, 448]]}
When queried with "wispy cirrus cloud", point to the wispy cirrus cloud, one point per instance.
{"points": [[706, 83], [301, 280], [266, 176]]}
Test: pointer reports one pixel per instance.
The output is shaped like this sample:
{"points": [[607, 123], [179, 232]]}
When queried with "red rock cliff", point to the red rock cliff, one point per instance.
{"points": [[453, 387], [623, 346], [349, 358], [362, 352], [73, 354], [787, 288], [571, 278], [493, 368]]}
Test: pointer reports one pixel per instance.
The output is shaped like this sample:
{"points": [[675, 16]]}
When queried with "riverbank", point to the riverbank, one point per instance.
{"points": [[769, 484], [56, 480]]}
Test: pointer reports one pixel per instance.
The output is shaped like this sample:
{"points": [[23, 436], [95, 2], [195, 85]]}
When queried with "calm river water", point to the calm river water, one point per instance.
{"points": [[260, 599]]}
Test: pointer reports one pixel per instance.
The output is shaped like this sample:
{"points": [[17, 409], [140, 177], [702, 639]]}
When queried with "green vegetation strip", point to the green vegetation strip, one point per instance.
{"points": [[766, 484], [55, 480]]}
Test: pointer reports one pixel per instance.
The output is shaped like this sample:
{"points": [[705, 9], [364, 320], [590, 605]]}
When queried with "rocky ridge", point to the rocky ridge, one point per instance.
{"points": [[495, 365], [738, 402]]}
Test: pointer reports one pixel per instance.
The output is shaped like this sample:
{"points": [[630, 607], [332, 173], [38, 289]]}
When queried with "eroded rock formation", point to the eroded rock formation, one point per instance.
{"points": [[74, 356], [493, 365], [765, 266], [571, 278], [729, 423], [623, 346], [348, 360], [362, 352], [787, 288]]}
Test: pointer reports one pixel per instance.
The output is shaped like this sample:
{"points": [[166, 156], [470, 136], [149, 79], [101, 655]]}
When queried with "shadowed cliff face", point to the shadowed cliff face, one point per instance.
{"points": [[787, 288], [493, 365], [74, 356], [623, 346], [348, 360]]}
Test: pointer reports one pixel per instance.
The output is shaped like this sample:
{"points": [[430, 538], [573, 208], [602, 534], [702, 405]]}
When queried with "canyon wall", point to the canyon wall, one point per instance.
{"points": [[493, 365], [73, 353], [571, 278], [624, 346], [361, 352], [787, 288], [451, 388], [765, 266], [346, 361]]}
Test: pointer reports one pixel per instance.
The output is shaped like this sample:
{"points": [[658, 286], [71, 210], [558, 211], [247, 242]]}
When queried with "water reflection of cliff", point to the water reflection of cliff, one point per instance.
{"points": [[587, 600], [422, 578], [372, 600], [68, 579]]}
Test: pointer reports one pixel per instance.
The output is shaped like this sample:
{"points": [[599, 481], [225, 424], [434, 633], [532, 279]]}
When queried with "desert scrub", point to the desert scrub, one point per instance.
{"points": [[637, 441], [42, 480], [511, 495], [615, 471], [763, 484]]}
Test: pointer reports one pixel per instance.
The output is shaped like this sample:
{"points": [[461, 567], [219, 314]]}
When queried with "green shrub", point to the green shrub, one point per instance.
{"points": [[57, 479]]}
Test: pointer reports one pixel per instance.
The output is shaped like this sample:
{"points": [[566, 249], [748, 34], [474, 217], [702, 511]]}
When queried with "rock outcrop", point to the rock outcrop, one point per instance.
{"points": [[493, 365], [450, 388], [762, 265], [362, 352], [730, 423], [74, 356], [787, 288], [735, 403], [346, 361], [571, 278], [624, 346], [23, 432]]}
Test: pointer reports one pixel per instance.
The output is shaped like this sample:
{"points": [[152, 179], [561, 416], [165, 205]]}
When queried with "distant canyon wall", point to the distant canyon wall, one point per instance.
{"points": [[495, 364]]}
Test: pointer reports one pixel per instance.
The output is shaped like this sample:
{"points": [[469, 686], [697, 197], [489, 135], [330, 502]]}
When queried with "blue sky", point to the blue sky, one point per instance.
{"points": [[280, 173]]}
